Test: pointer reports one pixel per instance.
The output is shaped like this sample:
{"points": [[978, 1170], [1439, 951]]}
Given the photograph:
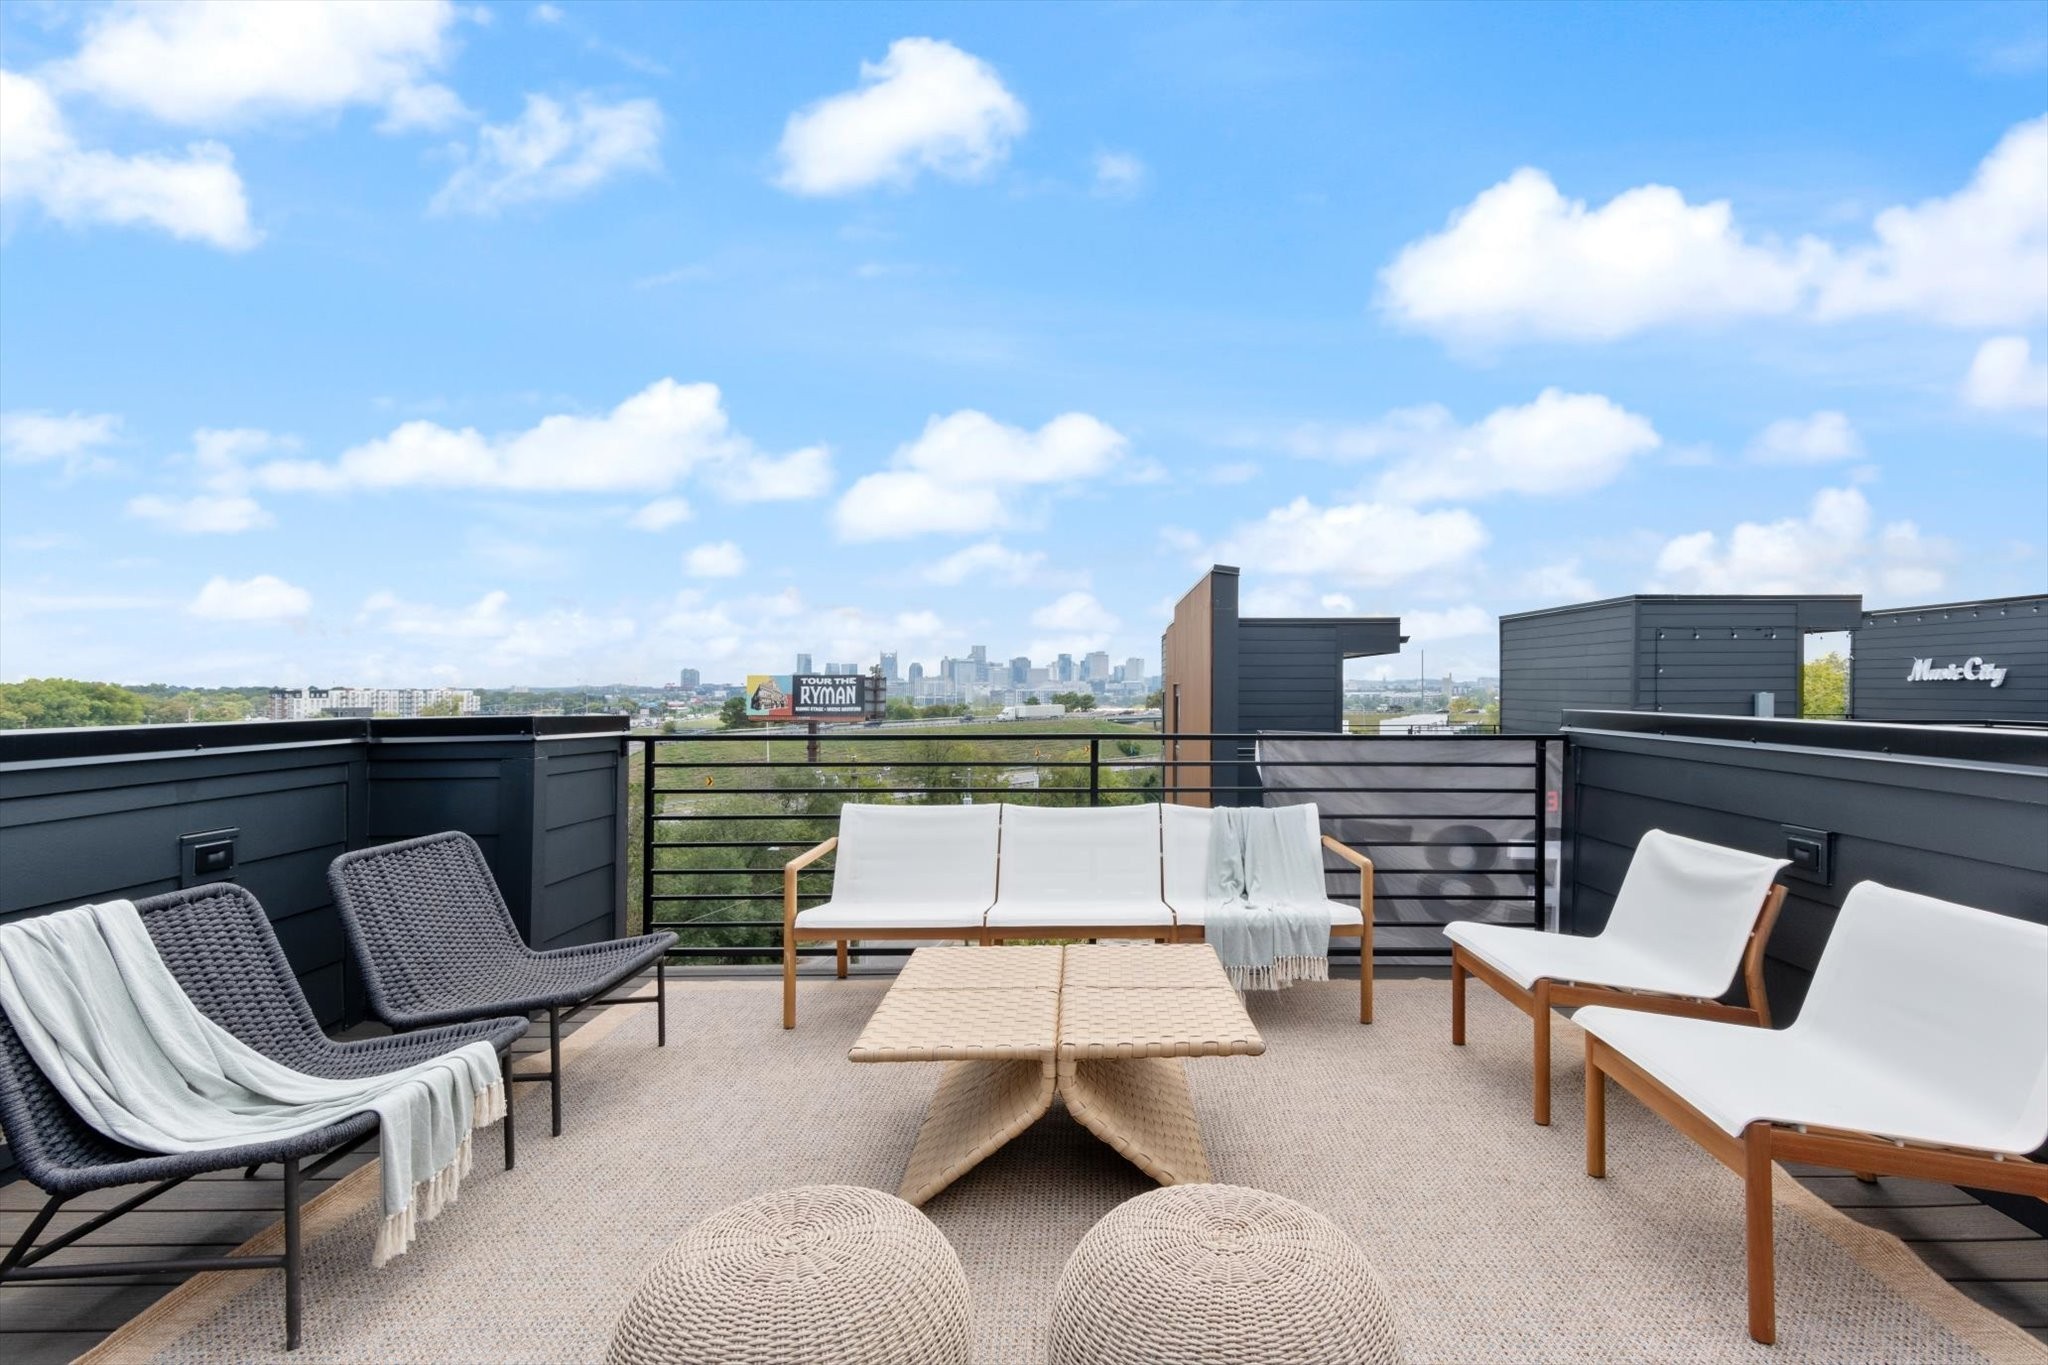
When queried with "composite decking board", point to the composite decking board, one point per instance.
{"points": [[1958, 1223]]}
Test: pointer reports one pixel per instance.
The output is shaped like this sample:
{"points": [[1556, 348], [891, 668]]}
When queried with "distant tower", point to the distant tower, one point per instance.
{"points": [[916, 673], [889, 666], [803, 663], [691, 678]]}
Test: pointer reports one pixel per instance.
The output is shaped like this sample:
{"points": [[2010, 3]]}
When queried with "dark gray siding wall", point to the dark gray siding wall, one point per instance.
{"points": [[1710, 658], [580, 882], [1564, 659], [1290, 676], [2012, 633], [109, 830], [1972, 832]]}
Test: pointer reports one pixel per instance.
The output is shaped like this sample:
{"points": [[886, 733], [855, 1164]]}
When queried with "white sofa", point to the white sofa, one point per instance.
{"points": [[1921, 1050], [989, 873]]}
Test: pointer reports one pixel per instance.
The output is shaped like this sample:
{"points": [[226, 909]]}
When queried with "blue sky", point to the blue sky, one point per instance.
{"points": [[515, 343]]}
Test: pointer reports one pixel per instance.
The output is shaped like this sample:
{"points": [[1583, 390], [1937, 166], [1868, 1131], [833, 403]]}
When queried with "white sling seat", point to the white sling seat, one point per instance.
{"points": [[1927, 1022], [1186, 836], [1089, 867], [910, 867], [1678, 926], [1921, 1051], [1688, 917]]}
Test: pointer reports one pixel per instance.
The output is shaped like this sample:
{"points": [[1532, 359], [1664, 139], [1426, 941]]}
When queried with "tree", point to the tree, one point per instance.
{"points": [[1075, 701], [899, 708], [1155, 701], [733, 714], [447, 706], [37, 703], [1033, 700], [1824, 686]]}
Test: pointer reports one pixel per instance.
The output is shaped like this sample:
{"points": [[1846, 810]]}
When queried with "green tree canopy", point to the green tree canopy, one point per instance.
{"points": [[733, 714], [1824, 686], [41, 702]]}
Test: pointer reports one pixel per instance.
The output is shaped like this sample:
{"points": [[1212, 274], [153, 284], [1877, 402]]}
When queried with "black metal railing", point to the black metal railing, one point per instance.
{"points": [[1457, 825]]}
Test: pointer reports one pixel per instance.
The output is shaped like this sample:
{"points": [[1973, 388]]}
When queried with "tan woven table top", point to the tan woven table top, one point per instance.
{"points": [[1141, 1000]]}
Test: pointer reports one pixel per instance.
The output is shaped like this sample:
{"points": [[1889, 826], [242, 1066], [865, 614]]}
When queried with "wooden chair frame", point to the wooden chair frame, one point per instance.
{"points": [[1762, 1143], [1548, 993], [1194, 933]]}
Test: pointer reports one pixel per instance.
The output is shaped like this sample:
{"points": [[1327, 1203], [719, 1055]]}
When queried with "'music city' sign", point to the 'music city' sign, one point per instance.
{"points": [[806, 696], [1972, 669]]}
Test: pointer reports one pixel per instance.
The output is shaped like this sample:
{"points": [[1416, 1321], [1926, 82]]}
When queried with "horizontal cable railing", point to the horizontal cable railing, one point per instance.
{"points": [[1456, 823]]}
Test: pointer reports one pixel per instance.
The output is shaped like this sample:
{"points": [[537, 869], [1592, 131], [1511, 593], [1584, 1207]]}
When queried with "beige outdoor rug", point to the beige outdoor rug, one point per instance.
{"points": [[1496, 1246]]}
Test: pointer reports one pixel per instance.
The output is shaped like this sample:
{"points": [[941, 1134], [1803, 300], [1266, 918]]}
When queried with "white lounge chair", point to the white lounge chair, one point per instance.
{"points": [[1921, 1050], [1080, 873], [1186, 840], [902, 872], [1687, 917]]}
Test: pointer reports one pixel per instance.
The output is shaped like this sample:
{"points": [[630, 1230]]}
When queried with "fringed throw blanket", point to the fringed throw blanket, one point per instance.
{"points": [[125, 1046], [1268, 915]]}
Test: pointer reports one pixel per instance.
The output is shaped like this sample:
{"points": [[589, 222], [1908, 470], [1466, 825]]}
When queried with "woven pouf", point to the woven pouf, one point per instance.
{"points": [[1219, 1275], [832, 1274]]}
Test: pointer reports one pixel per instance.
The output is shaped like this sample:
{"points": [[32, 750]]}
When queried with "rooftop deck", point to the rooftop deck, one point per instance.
{"points": [[1442, 1193]]}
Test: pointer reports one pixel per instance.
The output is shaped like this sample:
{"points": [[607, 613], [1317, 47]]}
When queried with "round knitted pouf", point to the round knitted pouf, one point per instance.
{"points": [[832, 1274], [1219, 1275]]}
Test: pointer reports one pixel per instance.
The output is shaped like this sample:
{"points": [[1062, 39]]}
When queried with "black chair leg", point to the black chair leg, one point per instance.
{"points": [[292, 1264], [555, 1064], [35, 1229], [661, 1002], [505, 1067], [249, 1172]]}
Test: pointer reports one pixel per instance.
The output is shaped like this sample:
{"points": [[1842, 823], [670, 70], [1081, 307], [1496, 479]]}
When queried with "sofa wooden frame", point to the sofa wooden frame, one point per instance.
{"points": [[1752, 1155], [1548, 993]]}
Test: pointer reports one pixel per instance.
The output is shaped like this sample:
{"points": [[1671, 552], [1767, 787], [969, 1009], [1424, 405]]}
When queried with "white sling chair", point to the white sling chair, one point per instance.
{"points": [[902, 872], [1687, 917], [1921, 1050], [1090, 872], [1186, 835]]}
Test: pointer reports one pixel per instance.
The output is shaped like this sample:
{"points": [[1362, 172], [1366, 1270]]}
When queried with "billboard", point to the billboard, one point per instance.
{"points": [[808, 696]]}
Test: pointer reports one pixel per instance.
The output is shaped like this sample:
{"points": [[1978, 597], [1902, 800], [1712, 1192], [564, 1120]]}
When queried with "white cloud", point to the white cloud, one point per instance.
{"points": [[547, 14], [720, 559], [1555, 583], [1074, 623], [1427, 627], [1834, 548], [1559, 443], [204, 514], [989, 558], [196, 196], [1293, 597], [926, 106], [1824, 437], [1522, 261], [961, 474], [208, 64], [1978, 258], [801, 474], [660, 514], [72, 439], [1370, 544], [648, 443], [2005, 375], [488, 633], [262, 598], [1119, 175], [553, 152]]}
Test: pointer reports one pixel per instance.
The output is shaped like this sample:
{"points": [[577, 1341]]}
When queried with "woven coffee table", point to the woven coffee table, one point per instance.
{"points": [[1105, 1027]]}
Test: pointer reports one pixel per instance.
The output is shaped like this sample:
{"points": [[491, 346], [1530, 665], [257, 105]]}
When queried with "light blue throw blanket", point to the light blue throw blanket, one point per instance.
{"points": [[101, 1014], [1268, 914]]}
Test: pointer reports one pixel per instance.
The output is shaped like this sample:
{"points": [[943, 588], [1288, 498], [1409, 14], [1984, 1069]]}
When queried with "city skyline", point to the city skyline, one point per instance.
{"points": [[503, 344]]}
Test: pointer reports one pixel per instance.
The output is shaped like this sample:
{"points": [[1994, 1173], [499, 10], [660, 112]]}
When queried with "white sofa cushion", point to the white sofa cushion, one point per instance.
{"points": [[1679, 924], [1927, 1021], [927, 856], [836, 914], [1096, 865], [1078, 914], [1184, 837]]}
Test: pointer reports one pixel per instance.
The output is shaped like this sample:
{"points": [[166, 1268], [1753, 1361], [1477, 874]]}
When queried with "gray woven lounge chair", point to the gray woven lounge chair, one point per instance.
{"points": [[218, 944], [437, 945]]}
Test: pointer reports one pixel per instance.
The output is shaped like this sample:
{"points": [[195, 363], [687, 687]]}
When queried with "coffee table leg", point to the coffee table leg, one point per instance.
{"points": [[1142, 1107], [979, 1106]]}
